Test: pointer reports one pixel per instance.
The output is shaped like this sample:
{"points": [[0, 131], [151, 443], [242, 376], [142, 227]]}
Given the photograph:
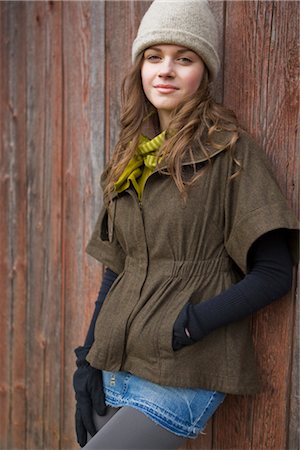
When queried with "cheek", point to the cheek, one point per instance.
{"points": [[144, 85], [194, 81], [146, 76]]}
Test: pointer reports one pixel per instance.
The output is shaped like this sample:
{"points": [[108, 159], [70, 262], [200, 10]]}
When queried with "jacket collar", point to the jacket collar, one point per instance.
{"points": [[196, 156], [199, 157], [151, 129]]}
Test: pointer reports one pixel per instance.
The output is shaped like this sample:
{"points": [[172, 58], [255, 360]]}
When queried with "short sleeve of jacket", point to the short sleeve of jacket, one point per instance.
{"points": [[254, 203], [104, 245]]}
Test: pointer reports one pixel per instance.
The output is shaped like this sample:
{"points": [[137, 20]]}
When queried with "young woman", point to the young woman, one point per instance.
{"points": [[195, 235]]}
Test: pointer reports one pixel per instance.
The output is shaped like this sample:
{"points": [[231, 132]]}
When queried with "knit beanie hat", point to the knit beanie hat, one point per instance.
{"points": [[180, 22]]}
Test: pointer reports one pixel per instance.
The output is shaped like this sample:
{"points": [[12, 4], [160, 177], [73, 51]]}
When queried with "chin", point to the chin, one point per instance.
{"points": [[165, 106]]}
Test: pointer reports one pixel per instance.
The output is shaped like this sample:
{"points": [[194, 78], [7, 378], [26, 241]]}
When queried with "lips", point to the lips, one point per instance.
{"points": [[165, 88]]}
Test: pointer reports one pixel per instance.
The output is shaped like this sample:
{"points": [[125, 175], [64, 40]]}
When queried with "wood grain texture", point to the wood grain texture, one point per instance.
{"points": [[5, 258], [13, 219], [83, 153], [293, 413], [44, 213]]}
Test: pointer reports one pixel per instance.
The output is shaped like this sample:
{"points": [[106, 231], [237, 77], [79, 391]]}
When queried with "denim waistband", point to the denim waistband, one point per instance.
{"points": [[182, 411]]}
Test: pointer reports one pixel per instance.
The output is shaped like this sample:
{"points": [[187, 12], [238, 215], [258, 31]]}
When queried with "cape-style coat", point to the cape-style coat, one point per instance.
{"points": [[167, 252]]}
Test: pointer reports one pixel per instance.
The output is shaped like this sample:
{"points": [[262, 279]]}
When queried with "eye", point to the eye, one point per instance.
{"points": [[152, 58], [185, 60]]}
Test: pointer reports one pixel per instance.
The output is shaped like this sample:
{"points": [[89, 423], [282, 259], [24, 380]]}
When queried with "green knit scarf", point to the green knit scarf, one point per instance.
{"points": [[141, 165]]}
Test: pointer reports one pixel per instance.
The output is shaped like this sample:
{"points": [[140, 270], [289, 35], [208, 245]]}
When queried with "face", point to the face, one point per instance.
{"points": [[169, 74]]}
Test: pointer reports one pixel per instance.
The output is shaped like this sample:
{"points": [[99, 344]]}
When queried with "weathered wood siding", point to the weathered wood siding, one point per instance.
{"points": [[61, 66]]}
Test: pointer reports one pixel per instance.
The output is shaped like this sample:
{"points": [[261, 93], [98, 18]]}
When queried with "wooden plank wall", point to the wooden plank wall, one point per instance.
{"points": [[61, 68]]}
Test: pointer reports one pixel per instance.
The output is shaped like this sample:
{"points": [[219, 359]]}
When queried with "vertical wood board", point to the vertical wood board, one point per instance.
{"points": [[44, 190], [13, 252], [83, 153]]}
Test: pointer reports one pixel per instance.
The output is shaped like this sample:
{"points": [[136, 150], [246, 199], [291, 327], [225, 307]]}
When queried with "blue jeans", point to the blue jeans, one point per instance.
{"points": [[182, 411]]}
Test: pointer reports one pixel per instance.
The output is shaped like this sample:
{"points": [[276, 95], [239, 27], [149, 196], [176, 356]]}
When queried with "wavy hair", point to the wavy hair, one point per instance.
{"points": [[199, 120]]}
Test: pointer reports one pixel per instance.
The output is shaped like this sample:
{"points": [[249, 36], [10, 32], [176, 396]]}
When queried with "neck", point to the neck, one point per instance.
{"points": [[164, 119]]}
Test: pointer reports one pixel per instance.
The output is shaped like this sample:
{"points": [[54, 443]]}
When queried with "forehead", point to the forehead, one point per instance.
{"points": [[171, 48]]}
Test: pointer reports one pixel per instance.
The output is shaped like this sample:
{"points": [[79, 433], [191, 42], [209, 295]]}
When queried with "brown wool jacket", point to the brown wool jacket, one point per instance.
{"points": [[167, 252]]}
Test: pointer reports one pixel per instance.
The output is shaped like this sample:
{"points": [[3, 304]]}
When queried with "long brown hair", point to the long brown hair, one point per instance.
{"points": [[199, 119]]}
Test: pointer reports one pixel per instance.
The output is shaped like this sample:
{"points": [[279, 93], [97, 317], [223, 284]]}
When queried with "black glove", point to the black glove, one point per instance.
{"points": [[88, 386], [269, 277], [87, 380], [181, 334]]}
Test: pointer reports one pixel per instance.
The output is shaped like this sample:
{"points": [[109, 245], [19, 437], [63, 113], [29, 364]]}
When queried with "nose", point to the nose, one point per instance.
{"points": [[166, 69]]}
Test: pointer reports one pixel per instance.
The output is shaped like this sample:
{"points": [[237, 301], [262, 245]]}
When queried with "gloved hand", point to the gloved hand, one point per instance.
{"points": [[269, 278], [181, 334], [89, 394]]}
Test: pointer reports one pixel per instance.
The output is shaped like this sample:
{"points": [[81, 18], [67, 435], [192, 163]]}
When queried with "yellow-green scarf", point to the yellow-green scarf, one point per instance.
{"points": [[141, 165]]}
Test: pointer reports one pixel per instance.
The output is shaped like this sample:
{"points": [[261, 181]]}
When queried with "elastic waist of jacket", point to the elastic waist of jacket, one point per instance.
{"points": [[177, 268]]}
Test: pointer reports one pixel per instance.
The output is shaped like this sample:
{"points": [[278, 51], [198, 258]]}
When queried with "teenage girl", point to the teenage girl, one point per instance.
{"points": [[195, 235]]}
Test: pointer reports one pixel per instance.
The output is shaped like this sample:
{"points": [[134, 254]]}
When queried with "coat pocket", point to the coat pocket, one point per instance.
{"points": [[169, 317]]}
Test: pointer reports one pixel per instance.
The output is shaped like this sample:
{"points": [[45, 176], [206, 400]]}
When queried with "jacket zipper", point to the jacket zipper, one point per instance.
{"points": [[126, 328]]}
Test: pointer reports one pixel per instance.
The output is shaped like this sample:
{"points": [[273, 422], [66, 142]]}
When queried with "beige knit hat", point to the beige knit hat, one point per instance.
{"points": [[180, 22]]}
